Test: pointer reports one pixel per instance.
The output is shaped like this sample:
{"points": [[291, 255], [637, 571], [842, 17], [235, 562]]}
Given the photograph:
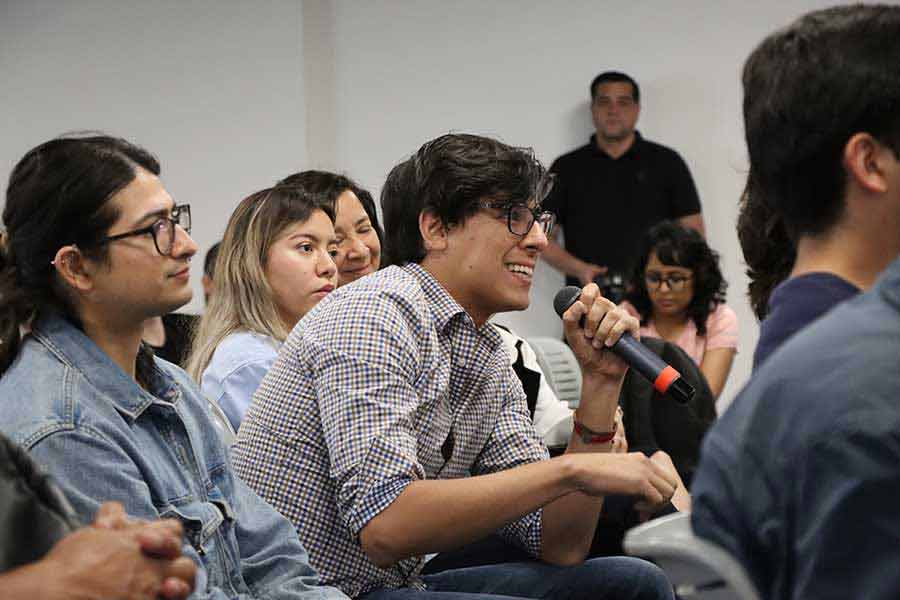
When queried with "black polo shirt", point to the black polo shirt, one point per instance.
{"points": [[606, 205]]}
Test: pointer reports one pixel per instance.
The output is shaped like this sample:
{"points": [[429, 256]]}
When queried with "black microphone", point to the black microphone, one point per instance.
{"points": [[638, 356]]}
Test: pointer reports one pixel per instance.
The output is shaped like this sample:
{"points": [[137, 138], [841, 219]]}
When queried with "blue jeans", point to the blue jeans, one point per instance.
{"points": [[612, 578]]}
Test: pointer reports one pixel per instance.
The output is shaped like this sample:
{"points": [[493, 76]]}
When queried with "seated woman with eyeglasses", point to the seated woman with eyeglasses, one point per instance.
{"points": [[678, 292], [275, 262]]}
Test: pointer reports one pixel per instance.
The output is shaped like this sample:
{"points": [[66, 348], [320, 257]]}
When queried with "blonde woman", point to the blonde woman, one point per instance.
{"points": [[276, 261]]}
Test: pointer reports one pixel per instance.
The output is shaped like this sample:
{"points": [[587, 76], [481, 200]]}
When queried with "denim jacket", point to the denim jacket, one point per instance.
{"points": [[103, 437]]}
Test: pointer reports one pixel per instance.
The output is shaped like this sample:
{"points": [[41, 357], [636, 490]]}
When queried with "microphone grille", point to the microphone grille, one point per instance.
{"points": [[565, 298]]}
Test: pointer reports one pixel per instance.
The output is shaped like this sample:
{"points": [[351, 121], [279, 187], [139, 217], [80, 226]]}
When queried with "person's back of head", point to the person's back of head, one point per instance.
{"points": [[808, 89], [58, 195], [450, 176]]}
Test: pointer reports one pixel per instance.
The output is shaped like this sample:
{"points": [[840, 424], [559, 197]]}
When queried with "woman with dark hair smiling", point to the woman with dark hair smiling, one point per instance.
{"points": [[359, 235], [678, 292]]}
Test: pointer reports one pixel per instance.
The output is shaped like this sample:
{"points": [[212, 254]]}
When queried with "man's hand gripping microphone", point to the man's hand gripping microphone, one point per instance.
{"points": [[664, 377]]}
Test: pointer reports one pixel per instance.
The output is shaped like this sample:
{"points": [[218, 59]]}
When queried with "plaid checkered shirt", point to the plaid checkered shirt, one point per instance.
{"points": [[385, 382]]}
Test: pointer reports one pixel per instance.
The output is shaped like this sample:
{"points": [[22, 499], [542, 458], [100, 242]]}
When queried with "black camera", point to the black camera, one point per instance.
{"points": [[612, 286]]}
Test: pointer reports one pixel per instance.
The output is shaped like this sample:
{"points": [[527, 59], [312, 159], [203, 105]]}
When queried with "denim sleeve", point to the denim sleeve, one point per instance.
{"points": [[273, 562], [91, 469]]}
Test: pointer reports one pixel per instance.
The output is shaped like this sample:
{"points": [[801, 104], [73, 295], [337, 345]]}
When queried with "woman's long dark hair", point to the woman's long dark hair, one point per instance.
{"points": [[768, 249], [57, 195], [679, 246], [331, 185]]}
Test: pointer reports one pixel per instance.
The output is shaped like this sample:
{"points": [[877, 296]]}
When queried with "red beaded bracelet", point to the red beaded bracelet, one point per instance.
{"points": [[589, 436]]}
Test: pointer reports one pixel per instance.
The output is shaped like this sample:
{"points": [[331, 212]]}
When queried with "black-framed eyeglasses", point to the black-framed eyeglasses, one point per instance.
{"points": [[675, 282], [520, 219], [162, 230]]}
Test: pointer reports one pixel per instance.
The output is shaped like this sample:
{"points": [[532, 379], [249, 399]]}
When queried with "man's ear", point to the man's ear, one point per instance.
{"points": [[72, 268], [433, 231], [864, 160]]}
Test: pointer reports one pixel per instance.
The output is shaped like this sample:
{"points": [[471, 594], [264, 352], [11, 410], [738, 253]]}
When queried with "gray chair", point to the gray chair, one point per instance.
{"points": [[696, 567], [560, 367]]}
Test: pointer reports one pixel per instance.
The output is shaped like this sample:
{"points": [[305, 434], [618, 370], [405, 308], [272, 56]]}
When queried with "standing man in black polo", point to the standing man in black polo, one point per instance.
{"points": [[619, 183]]}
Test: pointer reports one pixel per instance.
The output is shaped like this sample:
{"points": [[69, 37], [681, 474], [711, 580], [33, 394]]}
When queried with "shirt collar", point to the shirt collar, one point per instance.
{"points": [[445, 308], [78, 351], [890, 283], [634, 150]]}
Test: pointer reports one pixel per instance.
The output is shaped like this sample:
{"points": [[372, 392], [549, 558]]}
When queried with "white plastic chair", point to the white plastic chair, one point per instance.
{"points": [[560, 367], [220, 420], [696, 567]]}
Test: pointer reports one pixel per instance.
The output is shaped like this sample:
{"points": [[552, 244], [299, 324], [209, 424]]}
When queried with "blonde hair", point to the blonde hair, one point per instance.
{"points": [[242, 299]]}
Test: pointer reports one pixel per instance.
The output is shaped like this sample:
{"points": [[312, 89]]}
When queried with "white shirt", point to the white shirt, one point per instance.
{"points": [[552, 418]]}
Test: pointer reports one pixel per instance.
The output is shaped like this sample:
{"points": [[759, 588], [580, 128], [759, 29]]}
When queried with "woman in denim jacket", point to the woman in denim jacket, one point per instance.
{"points": [[94, 246]]}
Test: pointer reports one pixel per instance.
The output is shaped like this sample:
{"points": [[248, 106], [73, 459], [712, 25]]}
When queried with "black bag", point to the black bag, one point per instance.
{"points": [[654, 421], [34, 514]]}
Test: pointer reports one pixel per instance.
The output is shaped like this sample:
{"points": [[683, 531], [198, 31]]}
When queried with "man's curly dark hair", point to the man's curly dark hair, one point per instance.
{"points": [[679, 246]]}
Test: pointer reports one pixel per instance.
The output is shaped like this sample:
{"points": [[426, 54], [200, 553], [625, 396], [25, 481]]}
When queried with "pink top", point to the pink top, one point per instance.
{"points": [[721, 331]]}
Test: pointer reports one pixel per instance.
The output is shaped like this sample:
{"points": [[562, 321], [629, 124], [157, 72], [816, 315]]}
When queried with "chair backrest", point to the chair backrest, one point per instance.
{"points": [[696, 567], [653, 420], [560, 367], [34, 513]]}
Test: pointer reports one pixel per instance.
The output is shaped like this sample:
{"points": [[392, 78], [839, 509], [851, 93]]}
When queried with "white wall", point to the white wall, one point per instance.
{"points": [[233, 95], [519, 70], [213, 88]]}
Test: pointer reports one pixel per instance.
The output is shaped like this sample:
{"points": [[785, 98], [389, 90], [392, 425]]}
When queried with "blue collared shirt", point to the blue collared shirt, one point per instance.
{"points": [[794, 304], [800, 477], [385, 382], [103, 437], [236, 368]]}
